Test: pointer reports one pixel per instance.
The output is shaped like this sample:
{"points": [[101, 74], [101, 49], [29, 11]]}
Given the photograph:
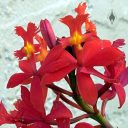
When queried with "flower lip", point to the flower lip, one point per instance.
{"points": [[29, 49], [76, 38]]}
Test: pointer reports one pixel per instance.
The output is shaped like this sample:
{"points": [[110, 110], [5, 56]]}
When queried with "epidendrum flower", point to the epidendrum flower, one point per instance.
{"points": [[26, 115], [44, 59], [119, 71], [57, 63], [29, 48], [87, 54]]}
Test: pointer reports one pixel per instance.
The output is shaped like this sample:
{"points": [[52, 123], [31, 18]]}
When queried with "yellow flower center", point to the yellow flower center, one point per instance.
{"points": [[29, 49], [76, 40]]}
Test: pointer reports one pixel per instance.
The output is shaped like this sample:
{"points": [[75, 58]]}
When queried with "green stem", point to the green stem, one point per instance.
{"points": [[102, 120], [87, 108], [96, 116]]}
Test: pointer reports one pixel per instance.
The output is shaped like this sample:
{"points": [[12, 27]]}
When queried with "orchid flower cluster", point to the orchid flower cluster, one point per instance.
{"points": [[45, 59]]}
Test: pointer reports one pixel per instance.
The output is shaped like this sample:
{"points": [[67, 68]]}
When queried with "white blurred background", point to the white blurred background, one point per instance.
{"points": [[110, 17]]}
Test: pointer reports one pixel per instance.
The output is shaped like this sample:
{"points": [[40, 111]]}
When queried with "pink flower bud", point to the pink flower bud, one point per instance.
{"points": [[47, 32]]}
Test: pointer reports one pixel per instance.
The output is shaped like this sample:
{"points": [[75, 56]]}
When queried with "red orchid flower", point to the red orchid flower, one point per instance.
{"points": [[5, 117], [74, 24], [61, 113], [26, 114], [93, 54], [113, 88], [28, 76], [73, 58], [57, 64], [117, 71], [29, 69], [90, 51], [28, 35]]}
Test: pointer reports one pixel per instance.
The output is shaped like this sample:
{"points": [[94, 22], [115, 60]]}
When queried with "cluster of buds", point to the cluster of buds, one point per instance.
{"points": [[45, 59]]}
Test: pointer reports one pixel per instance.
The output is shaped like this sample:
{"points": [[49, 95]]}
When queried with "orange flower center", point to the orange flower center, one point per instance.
{"points": [[42, 55]]}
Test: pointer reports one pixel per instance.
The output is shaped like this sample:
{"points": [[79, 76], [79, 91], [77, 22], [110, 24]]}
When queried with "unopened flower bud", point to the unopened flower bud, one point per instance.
{"points": [[47, 32]]}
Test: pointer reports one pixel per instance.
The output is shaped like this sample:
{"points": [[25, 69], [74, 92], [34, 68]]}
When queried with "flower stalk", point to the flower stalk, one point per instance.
{"points": [[87, 108]]}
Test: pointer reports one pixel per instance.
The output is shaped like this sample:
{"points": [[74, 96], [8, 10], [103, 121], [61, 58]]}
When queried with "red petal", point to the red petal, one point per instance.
{"points": [[31, 29], [65, 41], [57, 75], [64, 60], [4, 116], [108, 95], [86, 88], [83, 125], [20, 31], [63, 123], [28, 66], [121, 93], [92, 47], [58, 67], [67, 20], [31, 32], [80, 10], [19, 53], [26, 112], [74, 24], [27, 35], [118, 43], [25, 95], [41, 42], [124, 77], [36, 95], [90, 26], [103, 106], [92, 71], [17, 105], [27, 81], [105, 57], [59, 110], [17, 79], [53, 55]]}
